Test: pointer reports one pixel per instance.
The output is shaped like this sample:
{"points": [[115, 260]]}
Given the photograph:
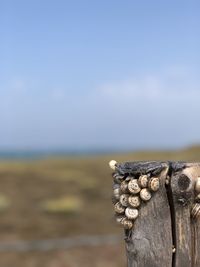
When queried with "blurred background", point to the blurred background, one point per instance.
{"points": [[81, 83]]}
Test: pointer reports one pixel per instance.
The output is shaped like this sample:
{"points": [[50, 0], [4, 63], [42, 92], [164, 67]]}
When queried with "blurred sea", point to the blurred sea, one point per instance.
{"points": [[35, 154]]}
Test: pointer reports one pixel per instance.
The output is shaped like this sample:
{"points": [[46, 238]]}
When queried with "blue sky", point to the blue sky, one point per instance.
{"points": [[99, 74]]}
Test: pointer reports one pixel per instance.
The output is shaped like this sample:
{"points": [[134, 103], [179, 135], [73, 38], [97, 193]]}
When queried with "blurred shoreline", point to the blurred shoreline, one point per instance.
{"points": [[43, 153]]}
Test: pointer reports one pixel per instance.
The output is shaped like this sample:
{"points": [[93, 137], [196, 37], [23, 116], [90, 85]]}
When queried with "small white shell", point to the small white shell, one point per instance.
{"points": [[197, 185], [127, 224], [116, 193], [124, 200], [145, 194], [119, 208], [198, 198], [113, 164], [195, 212], [131, 213], [134, 201], [128, 178], [118, 178], [116, 186], [154, 184], [114, 200], [167, 180], [143, 181], [119, 219], [173, 249], [124, 187], [133, 186]]}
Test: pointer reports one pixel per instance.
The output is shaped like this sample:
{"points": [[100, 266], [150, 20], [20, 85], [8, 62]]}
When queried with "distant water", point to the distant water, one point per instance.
{"points": [[22, 154], [16, 154]]}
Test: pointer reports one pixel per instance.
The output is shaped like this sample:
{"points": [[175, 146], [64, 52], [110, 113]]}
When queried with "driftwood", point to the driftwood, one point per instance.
{"points": [[167, 230]]}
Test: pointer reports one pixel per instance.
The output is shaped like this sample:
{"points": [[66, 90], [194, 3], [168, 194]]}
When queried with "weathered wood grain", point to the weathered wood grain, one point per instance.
{"points": [[150, 242], [194, 172], [182, 229], [165, 221], [186, 232], [196, 243], [145, 167]]}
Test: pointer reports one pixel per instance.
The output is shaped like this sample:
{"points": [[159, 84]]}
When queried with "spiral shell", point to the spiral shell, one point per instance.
{"points": [[134, 201], [119, 219], [119, 208], [128, 178], [117, 178], [198, 198], [145, 194], [154, 184], [197, 185], [143, 181], [133, 186], [116, 186], [195, 212], [127, 224], [131, 213], [124, 187], [116, 193], [114, 200], [124, 200]]}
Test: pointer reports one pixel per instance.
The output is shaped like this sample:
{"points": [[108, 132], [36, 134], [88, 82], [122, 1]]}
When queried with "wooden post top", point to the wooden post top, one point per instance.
{"points": [[158, 204]]}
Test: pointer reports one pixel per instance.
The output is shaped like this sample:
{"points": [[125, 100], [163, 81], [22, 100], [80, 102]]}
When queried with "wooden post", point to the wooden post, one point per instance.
{"points": [[166, 232]]}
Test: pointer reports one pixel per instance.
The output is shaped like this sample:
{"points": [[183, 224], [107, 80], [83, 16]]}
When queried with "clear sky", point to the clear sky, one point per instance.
{"points": [[99, 74]]}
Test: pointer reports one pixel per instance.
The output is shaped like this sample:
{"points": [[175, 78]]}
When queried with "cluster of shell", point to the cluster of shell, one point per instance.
{"points": [[128, 194], [195, 213]]}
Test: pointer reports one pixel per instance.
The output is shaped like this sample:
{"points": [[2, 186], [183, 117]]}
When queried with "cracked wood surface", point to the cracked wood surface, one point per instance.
{"points": [[165, 220], [149, 245], [186, 229]]}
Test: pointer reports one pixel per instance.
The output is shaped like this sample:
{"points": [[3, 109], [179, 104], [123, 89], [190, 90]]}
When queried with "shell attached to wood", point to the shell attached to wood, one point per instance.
{"points": [[154, 184], [115, 186], [127, 224], [117, 178], [143, 181], [114, 200], [131, 190], [133, 186], [119, 219], [124, 187], [119, 208], [124, 200], [198, 198], [128, 178], [197, 185], [134, 201], [113, 164], [131, 213], [195, 212], [116, 193], [145, 194]]}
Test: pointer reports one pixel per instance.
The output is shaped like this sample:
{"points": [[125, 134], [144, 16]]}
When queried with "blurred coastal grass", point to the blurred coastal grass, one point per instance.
{"points": [[71, 187], [66, 196], [67, 205]]}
